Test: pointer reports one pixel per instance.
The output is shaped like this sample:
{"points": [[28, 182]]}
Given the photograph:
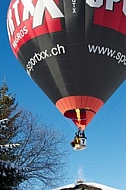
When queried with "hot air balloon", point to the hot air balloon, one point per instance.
{"points": [[74, 50]]}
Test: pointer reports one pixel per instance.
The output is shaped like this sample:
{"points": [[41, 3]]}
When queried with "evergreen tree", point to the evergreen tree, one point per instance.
{"points": [[10, 174]]}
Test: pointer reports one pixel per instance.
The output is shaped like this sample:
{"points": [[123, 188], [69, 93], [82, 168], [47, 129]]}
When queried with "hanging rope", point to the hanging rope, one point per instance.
{"points": [[109, 112]]}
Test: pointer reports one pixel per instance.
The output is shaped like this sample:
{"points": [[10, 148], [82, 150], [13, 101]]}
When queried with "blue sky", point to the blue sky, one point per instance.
{"points": [[104, 160]]}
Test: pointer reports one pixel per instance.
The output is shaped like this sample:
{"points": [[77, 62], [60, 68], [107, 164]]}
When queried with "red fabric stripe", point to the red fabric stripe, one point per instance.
{"points": [[114, 19]]}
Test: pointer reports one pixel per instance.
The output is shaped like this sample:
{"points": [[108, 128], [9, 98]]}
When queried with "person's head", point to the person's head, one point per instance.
{"points": [[72, 144]]}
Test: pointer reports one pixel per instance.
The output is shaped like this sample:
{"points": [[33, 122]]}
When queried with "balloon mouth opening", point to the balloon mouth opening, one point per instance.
{"points": [[80, 109], [78, 116]]}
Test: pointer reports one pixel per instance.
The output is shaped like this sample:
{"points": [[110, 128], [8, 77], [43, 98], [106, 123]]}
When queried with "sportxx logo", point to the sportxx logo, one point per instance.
{"points": [[30, 18], [21, 10], [25, 15]]}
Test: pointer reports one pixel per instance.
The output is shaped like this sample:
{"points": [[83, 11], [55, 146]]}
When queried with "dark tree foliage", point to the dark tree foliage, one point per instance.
{"points": [[10, 174], [30, 149], [8, 107]]}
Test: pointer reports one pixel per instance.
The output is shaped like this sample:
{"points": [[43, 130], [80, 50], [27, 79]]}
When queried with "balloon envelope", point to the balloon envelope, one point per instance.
{"points": [[75, 50]]}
